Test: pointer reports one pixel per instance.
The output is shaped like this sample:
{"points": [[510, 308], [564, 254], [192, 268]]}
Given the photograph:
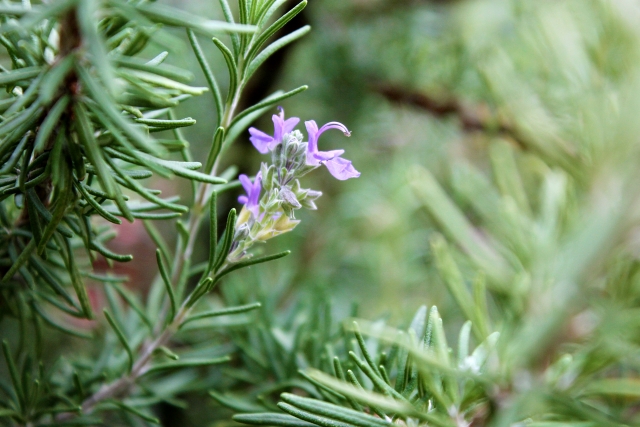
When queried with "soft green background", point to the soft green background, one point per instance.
{"points": [[368, 242]]}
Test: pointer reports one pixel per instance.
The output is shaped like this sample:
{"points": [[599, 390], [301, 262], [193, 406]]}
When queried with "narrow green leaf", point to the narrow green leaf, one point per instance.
{"points": [[157, 238], [135, 77], [167, 71], [142, 191], [87, 11], [13, 372], [463, 342], [312, 418], [77, 313], [18, 152], [53, 80], [136, 412], [50, 11], [449, 216], [179, 170], [95, 205], [50, 123], [62, 328], [228, 16], [178, 18], [223, 250], [339, 373], [258, 41], [167, 124], [247, 263], [76, 280], [376, 378], [454, 281], [507, 176], [14, 10], [109, 109], [125, 145], [271, 49], [29, 98], [231, 67], [267, 102], [213, 230], [222, 312], [22, 258], [92, 150], [51, 279], [336, 412], [121, 337], [369, 398], [238, 404], [167, 283], [206, 69], [35, 221], [62, 202], [189, 363], [271, 419], [625, 387], [20, 74], [167, 352], [216, 147], [98, 247], [15, 127]]}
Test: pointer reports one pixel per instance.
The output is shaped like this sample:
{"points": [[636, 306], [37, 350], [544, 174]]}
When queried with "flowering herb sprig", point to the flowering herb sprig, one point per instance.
{"points": [[275, 194]]}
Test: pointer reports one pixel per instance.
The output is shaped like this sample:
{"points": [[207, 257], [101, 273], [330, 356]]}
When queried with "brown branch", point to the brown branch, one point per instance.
{"points": [[70, 40], [472, 119]]}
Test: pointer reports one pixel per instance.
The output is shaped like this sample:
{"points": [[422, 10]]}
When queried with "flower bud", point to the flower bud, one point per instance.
{"points": [[289, 198]]}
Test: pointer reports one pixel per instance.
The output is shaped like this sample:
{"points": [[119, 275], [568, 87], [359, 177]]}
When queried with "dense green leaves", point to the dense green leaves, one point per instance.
{"points": [[86, 132]]}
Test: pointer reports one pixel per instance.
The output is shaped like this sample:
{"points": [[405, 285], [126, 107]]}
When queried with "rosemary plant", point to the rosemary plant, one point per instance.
{"points": [[531, 221], [79, 115]]}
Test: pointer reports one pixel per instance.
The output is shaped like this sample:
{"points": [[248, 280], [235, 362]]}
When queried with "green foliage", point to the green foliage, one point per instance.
{"points": [[502, 189], [530, 219], [77, 147]]}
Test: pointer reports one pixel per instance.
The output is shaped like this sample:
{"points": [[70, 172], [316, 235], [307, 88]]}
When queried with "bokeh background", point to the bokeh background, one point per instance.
{"points": [[391, 72]]}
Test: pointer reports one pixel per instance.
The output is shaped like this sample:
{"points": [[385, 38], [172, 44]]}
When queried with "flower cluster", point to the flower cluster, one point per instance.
{"points": [[275, 193]]}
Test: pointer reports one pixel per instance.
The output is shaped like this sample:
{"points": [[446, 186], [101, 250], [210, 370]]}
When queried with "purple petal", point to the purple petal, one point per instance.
{"points": [[278, 126], [260, 140], [246, 183], [243, 200], [254, 194], [327, 155], [312, 130], [341, 168], [334, 125], [289, 124], [312, 146]]}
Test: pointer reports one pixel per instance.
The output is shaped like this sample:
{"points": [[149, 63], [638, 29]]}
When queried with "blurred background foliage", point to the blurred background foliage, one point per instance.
{"points": [[509, 127]]}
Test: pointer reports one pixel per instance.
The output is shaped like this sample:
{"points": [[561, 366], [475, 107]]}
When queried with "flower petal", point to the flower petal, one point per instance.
{"points": [[260, 140], [289, 124], [328, 155], [254, 194], [278, 127], [341, 168], [246, 183], [334, 125]]}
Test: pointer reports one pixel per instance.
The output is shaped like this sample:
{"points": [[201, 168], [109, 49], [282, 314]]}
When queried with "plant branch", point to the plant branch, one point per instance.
{"points": [[184, 250], [472, 119]]}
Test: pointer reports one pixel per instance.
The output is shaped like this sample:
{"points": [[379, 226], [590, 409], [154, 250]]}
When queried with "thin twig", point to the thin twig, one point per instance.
{"points": [[472, 119], [123, 385]]}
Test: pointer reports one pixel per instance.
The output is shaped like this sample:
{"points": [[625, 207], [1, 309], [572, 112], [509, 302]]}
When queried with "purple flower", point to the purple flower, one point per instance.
{"points": [[338, 167], [265, 143], [252, 199]]}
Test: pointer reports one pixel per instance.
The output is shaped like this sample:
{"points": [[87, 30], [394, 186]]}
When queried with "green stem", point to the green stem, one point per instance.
{"points": [[184, 250]]}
